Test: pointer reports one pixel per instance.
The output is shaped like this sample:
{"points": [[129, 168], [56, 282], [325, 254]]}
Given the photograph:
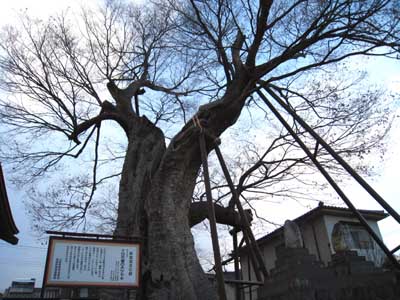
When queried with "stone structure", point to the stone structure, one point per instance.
{"points": [[292, 234], [316, 227], [299, 276], [326, 253]]}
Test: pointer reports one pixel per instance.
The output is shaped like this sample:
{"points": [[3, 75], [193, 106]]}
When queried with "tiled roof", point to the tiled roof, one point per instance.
{"points": [[7, 225]]}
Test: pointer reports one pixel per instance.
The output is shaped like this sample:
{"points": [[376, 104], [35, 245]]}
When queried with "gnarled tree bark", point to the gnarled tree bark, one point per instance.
{"points": [[155, 198]]}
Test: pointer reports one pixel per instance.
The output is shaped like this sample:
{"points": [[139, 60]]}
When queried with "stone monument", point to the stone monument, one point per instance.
{"points": [[292, 234]]}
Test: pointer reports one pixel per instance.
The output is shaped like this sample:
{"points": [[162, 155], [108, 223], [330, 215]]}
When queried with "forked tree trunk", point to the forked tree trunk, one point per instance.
{"points": [[154, 200], [155, 195], [174, 269]]}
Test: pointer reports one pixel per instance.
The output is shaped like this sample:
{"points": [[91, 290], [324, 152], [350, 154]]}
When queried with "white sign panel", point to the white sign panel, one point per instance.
{"points": [[84, 262]]}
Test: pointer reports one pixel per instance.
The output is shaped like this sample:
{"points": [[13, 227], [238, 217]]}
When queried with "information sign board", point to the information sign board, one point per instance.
{"points": [[90, 262]]}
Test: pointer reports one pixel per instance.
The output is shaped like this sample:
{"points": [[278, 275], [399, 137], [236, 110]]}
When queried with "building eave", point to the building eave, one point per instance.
{"points": [[8, 229]]}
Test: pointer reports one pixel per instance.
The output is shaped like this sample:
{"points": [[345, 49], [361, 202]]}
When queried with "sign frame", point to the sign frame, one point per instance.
{"points": [[91, 241]]}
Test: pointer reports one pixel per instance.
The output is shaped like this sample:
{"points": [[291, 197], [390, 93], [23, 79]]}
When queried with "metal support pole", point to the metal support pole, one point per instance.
{"points": [[236, 262], [331, 181], [394, 250], [246, 224], [332, 152], [213, 223], [249, 274], [252, 254]]}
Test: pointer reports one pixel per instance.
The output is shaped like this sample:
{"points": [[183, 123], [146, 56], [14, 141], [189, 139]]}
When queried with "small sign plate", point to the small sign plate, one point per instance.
{"points": [[90, 262]]}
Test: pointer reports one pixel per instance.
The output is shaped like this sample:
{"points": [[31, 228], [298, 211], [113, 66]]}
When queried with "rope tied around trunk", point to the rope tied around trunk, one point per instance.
{"points": [[201, 124]]}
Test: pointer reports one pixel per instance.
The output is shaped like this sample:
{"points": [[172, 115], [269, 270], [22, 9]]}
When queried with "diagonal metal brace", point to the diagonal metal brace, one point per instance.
{"points": [[211, 218], [247, 233], [331, 181]]}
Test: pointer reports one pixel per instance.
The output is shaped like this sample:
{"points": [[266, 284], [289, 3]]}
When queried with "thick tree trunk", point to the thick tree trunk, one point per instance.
{"points": [[155, 195], [175, 272], [146, 147], [154, 199], [174, 269]]}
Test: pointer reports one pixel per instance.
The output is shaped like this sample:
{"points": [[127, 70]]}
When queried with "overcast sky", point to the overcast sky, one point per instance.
{"points": [[26, 260]]}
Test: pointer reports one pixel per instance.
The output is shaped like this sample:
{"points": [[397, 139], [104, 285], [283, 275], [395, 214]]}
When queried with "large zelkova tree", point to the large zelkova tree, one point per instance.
{"points": [[150, 69]]}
